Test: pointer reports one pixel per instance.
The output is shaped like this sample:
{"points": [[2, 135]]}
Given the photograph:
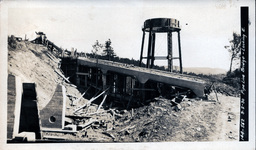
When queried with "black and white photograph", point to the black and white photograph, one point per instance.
{"points": [[128, 74]]}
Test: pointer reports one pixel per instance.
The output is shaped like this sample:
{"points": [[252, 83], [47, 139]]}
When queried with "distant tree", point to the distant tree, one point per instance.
{"points": [[234, 48], [97, 47], [108, 50]]}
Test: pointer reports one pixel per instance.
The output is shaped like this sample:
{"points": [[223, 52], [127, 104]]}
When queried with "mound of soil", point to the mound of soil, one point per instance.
{"points": [[33, 63], [160, 121]]}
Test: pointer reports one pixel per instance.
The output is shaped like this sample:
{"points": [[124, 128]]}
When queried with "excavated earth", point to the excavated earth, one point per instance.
{"points": [[193, 120]]}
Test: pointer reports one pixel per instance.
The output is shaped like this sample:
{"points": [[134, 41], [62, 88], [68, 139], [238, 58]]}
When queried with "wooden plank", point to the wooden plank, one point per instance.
{"points": [[88, 123], [54, 138], [142, 89], [83, 94], [105, 96], [81, 73], [57, 130], [66, 79], [91, 100]]}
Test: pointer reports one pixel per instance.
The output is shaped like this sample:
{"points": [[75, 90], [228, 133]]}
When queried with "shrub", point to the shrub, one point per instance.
{"points": [[12, 42], [233, 78]]}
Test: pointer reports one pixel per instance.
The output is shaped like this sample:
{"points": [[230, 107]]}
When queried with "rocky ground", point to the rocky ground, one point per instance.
{"points": [[157, 121]]}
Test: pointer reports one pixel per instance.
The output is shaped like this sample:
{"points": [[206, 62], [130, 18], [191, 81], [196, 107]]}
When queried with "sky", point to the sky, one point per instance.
{"points": [[206, 26]]}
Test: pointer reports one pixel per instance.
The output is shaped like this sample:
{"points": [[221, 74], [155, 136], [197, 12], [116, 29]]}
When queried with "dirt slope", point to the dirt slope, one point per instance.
{"points": [[35, 64], [228, 119]]}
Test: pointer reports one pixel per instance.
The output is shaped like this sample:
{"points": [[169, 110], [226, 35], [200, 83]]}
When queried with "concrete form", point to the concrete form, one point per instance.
{"points": [[143, 74], [23, 120], [14, 106], [53, 114]]}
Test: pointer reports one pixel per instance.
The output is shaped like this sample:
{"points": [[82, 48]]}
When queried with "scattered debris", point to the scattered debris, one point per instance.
{"points": [[91, 121], [109, 134], [90, 101]]}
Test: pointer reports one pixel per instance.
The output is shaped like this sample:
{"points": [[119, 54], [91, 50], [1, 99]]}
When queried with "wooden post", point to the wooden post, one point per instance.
{"points": [[142, 86], [124, 83], [85, 81], [72, 53], [63, 52], [104, 80], [77, 76], [97, 77]]}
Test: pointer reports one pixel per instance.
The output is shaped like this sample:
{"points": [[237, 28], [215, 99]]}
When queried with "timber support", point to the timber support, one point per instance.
{"points": [[125, 81]]}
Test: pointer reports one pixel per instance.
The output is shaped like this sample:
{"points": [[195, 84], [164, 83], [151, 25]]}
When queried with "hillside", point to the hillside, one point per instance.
{"points": [[157, 121], [201, 70], [204, 70]]}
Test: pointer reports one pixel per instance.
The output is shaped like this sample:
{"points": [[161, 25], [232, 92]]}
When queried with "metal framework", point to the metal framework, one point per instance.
{"points": [[160, 25]]}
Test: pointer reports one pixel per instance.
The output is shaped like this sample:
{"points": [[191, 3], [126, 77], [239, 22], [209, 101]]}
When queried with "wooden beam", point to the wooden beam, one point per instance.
{"points": [[105, 96], [82, 94], [66, 79], [57, 130], [91, 100], [81, 73], [142, 89]]}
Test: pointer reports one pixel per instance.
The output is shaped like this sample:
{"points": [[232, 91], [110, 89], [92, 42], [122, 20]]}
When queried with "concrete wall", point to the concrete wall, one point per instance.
{"points": [[52, 115], [13, 106]]}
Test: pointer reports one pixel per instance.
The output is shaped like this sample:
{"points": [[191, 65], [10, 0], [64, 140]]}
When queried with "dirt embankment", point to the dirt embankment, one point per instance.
{"points": [[195, 121], [33, 63]]}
